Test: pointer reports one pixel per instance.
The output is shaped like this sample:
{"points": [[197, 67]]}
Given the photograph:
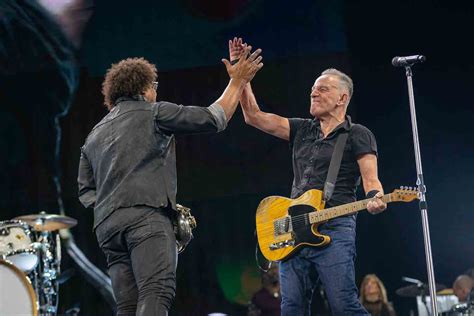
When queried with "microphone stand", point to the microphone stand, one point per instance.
{"points": [[422, 189]]}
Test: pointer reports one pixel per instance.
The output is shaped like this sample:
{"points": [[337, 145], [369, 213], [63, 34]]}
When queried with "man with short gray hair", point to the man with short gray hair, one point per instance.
{"points": [[344, 80], [312, 142], [462, 287]]}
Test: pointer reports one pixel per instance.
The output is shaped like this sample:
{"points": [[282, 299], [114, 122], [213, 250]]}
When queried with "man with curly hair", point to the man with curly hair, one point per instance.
{"points": [[127, 173]]}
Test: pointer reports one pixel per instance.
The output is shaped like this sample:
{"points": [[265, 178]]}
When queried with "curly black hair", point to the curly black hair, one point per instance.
{"points": [[127, 78]]}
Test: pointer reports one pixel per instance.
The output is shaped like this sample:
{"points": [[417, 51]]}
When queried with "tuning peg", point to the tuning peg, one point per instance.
{"points": [[401, 187]]}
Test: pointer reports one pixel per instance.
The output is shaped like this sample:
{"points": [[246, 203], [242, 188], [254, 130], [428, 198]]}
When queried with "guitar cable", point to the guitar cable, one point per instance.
{"points": [[260, 267]]}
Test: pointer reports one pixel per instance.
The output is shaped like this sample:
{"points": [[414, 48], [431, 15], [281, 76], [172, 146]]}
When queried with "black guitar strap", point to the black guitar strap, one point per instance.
{"points": [[335, 165]]}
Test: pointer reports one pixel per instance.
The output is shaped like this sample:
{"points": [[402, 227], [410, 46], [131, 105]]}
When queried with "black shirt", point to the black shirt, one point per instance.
{"points": [[129, 157], [312, 155]]}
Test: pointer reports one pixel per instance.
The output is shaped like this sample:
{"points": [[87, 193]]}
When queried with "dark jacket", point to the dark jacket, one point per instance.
{"points": [[129, 157]]}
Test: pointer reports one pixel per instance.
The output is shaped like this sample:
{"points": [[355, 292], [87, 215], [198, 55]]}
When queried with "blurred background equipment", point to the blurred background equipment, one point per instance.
{"points": [[30, 248], [266, 301]]}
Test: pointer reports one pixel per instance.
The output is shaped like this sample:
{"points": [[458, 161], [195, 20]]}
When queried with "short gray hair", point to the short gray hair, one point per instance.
{"points": [[342, 77]]}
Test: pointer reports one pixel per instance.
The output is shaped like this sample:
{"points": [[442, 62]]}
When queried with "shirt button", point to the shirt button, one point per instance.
{"points": [[311, 160]]}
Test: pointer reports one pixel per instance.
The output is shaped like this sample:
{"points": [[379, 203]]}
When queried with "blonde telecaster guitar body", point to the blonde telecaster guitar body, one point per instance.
{"points": [[284, 225]]}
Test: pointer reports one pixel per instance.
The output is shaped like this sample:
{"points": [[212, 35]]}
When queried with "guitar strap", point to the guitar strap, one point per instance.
{"points": [[335, 165]]}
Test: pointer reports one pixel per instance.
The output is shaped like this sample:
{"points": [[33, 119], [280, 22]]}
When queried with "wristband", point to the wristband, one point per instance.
{"points": [[371, 194]]}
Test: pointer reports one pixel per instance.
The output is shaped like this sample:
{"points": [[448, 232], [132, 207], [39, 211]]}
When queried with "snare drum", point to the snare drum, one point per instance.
{"points": [[16, 245], [17, 295]]}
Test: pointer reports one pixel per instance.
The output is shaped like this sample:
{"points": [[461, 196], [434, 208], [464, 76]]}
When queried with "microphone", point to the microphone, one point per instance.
{"points": [[407, 60]]}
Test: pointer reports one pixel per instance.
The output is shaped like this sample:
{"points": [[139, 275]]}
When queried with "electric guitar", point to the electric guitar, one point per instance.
{"points": [[284, 225]]}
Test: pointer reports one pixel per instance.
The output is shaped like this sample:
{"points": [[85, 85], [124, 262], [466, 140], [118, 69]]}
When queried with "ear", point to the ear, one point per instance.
{"points": [[343, 99]]}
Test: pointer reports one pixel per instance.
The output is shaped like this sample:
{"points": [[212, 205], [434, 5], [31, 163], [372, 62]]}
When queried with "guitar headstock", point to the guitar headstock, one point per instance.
{"points": [[405, 194]]}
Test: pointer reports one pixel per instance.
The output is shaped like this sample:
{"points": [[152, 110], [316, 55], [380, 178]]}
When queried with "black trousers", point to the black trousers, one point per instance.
{"points": [[142, 260]]}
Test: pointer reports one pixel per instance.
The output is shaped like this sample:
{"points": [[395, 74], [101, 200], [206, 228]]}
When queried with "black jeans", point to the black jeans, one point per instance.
{"points": [[142, 259]]}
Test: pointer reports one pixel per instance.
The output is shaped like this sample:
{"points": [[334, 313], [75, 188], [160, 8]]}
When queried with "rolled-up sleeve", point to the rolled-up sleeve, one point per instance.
{"points": [[218, 112], [173, 118], [86, 182]]}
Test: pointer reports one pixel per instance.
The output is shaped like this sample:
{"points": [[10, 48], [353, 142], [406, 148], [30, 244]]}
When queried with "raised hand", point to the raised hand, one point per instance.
{"points": [[247, 66], [235, 48]]}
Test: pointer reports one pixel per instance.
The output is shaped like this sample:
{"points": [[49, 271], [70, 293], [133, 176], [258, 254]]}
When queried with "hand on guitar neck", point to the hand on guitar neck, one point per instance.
{"points": [[376, 205]]}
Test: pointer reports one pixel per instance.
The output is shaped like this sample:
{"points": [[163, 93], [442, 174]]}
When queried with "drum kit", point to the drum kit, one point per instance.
{"points": [[447, 302], [30, 258]]}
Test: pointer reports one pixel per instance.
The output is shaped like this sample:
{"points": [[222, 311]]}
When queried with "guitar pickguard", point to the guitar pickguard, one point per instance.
{"points": [[302, 231]]}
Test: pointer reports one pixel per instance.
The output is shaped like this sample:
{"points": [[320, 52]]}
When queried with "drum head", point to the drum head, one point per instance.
{"points": [[17, 296], [26, 260], [16, 245]]}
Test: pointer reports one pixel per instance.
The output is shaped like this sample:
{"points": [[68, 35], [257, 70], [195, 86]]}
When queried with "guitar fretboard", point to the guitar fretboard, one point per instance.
{"points": [[346, 209]]}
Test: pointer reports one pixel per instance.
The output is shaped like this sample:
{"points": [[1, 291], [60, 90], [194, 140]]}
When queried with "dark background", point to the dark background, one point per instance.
{"points": [[223, 177]]}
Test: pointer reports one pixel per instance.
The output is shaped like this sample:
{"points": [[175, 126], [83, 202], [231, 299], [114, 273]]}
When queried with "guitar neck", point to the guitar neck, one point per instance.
{"points": [[341, 210]]}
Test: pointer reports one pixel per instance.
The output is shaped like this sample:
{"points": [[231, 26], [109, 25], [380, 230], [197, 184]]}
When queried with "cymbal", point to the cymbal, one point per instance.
{"points": [[48, 222], [417, 290], [446, 292]]}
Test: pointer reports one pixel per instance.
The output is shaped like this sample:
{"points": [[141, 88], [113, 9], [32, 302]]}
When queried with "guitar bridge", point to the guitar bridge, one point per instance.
{"points": [[282, 244], [282, 226]]}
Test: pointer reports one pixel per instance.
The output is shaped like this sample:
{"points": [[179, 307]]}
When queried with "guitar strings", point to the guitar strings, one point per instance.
{"points": [[297, 220]]}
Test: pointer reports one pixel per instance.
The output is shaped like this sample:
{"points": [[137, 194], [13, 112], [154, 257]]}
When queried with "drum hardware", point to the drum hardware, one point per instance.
{"points": [[417, 290], [462, 309], [49, 269], [30, 251]]}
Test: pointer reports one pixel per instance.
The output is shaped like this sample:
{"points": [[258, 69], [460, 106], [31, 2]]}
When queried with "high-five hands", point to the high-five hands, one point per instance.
{"points": [[247, 65], [236, 46]]}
